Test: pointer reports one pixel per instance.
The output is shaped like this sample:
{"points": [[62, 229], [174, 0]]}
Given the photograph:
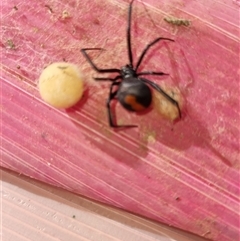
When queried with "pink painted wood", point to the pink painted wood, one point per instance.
{"points": [[184, 174]]}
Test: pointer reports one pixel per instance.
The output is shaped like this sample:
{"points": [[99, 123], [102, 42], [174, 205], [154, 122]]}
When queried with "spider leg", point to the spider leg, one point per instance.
{"points": [[148, 47], [111, 118], [151, 73], [108, 79], [129, 46], [156, 87], [94, 66]]}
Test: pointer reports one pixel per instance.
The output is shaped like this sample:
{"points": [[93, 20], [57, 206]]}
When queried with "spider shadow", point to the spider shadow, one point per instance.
{"points": [[129, 146]]}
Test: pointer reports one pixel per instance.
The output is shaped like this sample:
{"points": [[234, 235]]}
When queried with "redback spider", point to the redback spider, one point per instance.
{"points": [[132, 92]]}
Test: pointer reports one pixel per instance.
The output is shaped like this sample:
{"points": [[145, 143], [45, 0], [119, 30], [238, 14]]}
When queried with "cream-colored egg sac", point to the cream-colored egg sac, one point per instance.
{"points": [[166, 108], [61, 85]]}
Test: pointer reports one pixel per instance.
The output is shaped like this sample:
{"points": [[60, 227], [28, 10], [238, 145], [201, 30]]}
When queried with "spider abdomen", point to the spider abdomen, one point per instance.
{"points": [[134, 95]]}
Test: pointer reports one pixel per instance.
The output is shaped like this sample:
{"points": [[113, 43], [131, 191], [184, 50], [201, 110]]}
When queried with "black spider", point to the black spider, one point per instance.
{"points": [[132, 92]]}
